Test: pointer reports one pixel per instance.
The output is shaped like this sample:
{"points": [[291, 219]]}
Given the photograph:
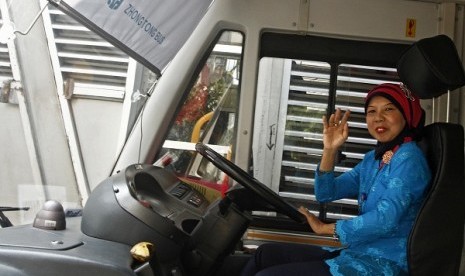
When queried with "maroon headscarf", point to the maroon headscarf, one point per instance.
{"points": [[409, 106]]}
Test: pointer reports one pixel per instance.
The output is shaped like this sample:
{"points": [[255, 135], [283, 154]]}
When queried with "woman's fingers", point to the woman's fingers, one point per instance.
{"points": [[336, 119], [312, 220], [325, 122], [306, 213], [337, 116], [332, 119], [345, 118]]}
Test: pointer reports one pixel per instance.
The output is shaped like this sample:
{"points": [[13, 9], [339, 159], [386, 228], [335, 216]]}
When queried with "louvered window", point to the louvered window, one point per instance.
{"points": [[6, 73], [305, 96], [5, 64], [309, 98], [96, 67], [300, 79]]}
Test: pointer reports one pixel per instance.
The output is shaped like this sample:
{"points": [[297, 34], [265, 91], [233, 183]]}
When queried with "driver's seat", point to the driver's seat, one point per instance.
{"points": [[430, 68], [436, 240]]}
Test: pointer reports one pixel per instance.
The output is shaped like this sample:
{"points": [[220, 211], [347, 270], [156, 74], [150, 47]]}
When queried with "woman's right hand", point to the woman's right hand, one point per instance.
{"points": [[335, 130]]}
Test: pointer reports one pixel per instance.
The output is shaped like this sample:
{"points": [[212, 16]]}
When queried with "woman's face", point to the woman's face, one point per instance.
{"points": [[384, 119]]}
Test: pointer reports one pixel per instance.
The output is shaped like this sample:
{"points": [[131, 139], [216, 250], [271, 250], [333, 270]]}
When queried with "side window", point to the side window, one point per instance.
{"points": [[6, 73], [288, 124], [207, 115]]}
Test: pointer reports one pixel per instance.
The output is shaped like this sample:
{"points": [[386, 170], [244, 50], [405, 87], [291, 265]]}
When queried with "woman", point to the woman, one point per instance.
{"points": [[389, 182]]}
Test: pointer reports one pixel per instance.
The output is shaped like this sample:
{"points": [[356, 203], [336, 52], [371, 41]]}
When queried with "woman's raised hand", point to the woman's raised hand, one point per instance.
{"points": [[335, 130]]}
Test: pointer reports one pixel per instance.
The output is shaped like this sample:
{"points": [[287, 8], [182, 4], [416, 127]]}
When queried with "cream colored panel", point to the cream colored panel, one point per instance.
{"points": [[380, 19]]}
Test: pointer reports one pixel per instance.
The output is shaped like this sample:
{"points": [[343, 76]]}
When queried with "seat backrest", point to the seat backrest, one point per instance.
{"points": [[436, 240]]}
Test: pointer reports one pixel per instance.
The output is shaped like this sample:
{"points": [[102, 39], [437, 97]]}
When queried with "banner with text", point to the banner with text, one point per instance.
{"points": [[151, 31]]}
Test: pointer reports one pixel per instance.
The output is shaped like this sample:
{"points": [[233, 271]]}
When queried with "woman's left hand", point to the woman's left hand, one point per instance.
{"points": [[316, 224]]}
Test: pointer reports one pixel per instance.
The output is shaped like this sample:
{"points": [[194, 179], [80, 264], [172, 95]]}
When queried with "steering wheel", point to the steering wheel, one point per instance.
{"points": [[249, 182]]}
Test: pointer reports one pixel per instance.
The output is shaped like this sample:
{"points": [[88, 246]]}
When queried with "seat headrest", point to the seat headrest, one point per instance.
{"points": [[431, 66]]}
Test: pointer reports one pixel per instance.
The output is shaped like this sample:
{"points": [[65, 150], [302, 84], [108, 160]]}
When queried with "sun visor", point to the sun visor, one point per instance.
{"points": [[431, 66], [150, 31]]}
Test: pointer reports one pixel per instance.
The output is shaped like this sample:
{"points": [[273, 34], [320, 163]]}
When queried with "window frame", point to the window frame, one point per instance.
{"points": [[336, 52]]}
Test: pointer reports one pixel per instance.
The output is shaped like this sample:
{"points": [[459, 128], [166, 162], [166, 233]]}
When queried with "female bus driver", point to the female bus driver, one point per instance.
{"points": [[389, 182]]}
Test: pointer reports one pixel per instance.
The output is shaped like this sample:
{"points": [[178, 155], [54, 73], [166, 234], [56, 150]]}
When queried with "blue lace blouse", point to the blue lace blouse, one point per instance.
{"points": [[389, 199]]}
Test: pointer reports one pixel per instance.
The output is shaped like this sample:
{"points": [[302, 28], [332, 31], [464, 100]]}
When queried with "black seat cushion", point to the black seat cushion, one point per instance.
{"points": [[435, 242]]}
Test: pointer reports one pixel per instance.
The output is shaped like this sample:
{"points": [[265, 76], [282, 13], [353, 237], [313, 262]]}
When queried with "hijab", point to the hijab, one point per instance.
{"points": [[409, 106]]}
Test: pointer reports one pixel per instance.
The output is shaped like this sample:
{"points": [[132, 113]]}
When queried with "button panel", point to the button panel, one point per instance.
{"points": [[188, 194]]}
